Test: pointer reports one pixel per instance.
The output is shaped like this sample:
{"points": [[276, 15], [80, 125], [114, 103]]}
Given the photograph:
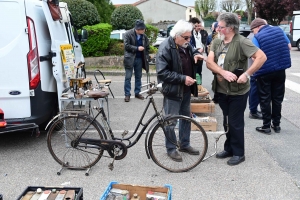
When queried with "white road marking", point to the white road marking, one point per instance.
{"points": [[292, 86], [296, 74]]}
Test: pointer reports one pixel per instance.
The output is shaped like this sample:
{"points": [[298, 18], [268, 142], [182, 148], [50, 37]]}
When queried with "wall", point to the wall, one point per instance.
{"points": [[161, 10]]}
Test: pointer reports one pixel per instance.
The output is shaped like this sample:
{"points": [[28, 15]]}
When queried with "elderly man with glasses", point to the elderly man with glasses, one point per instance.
{"points": [[176, 70]]}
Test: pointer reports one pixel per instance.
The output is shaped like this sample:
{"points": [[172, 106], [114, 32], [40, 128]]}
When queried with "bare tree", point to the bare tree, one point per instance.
{"points": [[202, 7], [249, 4], [231, 5]]}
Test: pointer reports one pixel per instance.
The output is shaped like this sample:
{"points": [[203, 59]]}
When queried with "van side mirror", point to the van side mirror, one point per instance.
{"points": [[83, 36]]}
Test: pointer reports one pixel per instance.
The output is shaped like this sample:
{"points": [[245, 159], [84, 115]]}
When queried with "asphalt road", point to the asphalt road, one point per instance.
{"points": [[271, 169]]}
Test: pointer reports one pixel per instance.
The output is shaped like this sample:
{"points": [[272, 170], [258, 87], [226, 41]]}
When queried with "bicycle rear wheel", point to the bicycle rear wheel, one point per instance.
{"points": [[61, 141], [157, 143]]}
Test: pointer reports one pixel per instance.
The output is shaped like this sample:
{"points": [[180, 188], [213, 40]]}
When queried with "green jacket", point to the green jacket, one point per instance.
{"points": [[235, 58]]}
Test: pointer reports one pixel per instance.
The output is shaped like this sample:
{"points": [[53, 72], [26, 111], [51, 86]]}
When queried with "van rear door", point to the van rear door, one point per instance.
{"points": [[296, 28], [14, 52]]}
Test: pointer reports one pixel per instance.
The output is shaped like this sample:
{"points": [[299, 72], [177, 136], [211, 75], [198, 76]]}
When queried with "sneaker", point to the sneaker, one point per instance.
{"points": [[256, 115]]}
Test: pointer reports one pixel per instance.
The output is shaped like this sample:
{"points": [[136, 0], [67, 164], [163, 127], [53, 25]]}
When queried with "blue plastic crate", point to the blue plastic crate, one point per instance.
{"points": [[110, 186]]}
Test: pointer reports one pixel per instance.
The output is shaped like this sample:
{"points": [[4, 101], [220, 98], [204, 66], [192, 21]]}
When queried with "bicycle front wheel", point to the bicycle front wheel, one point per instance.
{"points": [[176, 133], [63, 148]]}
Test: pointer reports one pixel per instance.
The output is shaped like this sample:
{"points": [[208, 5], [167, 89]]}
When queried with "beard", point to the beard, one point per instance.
{"points": [[185, 45], [221, 36]]}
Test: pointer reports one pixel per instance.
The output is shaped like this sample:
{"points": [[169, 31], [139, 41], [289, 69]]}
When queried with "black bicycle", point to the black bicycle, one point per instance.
{"points": [[76, 140]]}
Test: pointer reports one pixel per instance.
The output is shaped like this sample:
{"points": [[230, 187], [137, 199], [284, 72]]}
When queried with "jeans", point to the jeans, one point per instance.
{"points": [[253, 96], [181, 107], [234, 107], [137, 67], [271, 88]]}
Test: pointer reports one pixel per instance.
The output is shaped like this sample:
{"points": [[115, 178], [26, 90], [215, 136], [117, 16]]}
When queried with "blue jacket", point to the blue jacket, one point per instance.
{"points": [[272, 42]]}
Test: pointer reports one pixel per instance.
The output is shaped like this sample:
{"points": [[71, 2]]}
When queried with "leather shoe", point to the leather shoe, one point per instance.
{"points": [[174, 155], [264, 130], [235, 160], [139, 96], [256, 115], [276, 128], [190, 150], [127, 98], [223, 154]]}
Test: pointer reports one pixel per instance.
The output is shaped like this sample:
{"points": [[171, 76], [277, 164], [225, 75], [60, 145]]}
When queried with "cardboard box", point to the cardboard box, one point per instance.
{"points": [[140, 190], [207, 123], [203, 107], [78, 191]]}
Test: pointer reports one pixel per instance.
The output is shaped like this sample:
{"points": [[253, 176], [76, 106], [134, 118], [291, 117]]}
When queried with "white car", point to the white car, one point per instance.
{"points": [[117, 34], [158, 41]]}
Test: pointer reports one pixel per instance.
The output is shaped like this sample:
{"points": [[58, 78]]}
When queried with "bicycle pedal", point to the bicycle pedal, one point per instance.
{"points": [[111, 166], [125, 133]]}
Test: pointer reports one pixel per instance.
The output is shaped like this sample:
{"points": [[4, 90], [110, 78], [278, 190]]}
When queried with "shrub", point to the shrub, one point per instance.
{"points": [[83, 13], [153, 50], [209, 17], [124, 17], [115, 47], [151, 32], [98, 40]]}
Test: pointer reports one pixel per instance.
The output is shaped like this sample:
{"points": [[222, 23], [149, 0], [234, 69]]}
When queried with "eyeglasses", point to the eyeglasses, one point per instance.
{"points": [[186, 37], [221, 27]]}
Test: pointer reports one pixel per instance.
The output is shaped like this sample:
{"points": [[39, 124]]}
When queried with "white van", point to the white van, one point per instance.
{"points": [[295, 28], [32, 76]]}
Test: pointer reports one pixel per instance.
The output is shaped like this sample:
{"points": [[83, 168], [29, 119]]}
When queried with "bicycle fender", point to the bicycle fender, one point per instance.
{"points": [[147, 135], [52, 120]]}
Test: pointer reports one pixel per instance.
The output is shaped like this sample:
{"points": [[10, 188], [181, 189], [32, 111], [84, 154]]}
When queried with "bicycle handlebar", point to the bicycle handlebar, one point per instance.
{"points": [[153, 88]]}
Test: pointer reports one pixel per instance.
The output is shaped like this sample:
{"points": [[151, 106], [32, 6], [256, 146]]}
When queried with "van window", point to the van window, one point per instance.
{"points": [[11, 22], [115, 36]]}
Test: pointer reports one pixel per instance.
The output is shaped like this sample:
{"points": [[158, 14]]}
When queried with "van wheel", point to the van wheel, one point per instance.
{"points": [[298, 45]]}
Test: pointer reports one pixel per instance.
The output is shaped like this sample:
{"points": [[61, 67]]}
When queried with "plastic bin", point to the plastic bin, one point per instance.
{"points": [[78, 191], [141, 190]]}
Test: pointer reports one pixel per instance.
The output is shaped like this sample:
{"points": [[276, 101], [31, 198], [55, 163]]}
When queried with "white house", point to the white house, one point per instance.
{"points": [[161, 10]]}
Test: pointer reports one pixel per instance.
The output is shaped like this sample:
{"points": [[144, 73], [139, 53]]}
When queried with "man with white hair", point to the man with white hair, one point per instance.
{"points": [[176, 70]]}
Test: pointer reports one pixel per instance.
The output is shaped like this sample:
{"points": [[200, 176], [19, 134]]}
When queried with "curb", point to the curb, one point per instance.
{"points": [[118, 73]]}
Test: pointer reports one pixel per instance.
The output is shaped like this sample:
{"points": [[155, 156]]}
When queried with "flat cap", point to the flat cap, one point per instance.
{"points": [[257, 22]]}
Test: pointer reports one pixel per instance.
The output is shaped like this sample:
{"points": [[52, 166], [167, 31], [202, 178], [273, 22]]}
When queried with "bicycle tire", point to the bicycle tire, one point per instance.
{"points": [[157, 147], [63, 132]]}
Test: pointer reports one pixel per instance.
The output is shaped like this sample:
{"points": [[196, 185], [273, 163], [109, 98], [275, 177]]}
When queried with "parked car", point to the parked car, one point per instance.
{"points": [[286, 28], [117, 34], [158, 41], [244, 30]]}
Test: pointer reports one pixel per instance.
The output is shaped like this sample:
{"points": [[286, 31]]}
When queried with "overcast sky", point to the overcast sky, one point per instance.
{"points": [[182, 2]]}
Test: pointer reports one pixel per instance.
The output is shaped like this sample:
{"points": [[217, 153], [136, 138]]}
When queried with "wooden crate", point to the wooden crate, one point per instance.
{"points": [[203, 107], [207, 123]]}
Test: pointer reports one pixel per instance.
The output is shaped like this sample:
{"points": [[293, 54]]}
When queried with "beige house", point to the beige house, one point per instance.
{"points": [[191, 12]]}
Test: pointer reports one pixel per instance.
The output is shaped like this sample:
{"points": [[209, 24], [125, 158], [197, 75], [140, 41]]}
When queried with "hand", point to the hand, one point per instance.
{"points": [[229, 76], [200, 50], [242, 79], [199, 57], [189, 81], [141, 48]]}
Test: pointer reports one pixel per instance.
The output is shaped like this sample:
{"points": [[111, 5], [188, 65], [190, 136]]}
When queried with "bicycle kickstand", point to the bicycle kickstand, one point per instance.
{"points": [[111, 165]]}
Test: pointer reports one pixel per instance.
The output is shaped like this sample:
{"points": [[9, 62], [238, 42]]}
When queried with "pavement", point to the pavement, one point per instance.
{"points": [[271, 170]]}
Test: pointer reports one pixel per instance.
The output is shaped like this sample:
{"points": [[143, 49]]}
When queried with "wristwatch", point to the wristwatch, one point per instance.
{"points": [[247, 75]]}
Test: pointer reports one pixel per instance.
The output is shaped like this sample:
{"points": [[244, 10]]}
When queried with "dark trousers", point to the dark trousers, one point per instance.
{"points": [[199, 68], [234, 107], [271, 88], [253, 96]]}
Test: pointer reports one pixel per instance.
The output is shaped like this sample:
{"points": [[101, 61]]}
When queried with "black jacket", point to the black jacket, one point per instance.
{"points": [[169, 69], [131, 49]]}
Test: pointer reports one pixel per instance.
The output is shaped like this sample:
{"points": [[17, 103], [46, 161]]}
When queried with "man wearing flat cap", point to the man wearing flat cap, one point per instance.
{"points": [[136, 56], [270, 78]]}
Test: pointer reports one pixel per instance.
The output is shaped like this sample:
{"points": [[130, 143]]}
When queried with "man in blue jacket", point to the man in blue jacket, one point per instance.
{"points": [[271, 76]]}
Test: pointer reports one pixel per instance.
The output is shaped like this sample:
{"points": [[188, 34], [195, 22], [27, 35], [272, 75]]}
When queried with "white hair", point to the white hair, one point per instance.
{"points": [[181, 27]]}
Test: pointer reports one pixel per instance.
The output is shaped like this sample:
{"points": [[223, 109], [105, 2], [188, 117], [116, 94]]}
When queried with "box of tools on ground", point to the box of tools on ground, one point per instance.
{"points": [[129, 191], [207, 123], [44, 192], [202, 103]]}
